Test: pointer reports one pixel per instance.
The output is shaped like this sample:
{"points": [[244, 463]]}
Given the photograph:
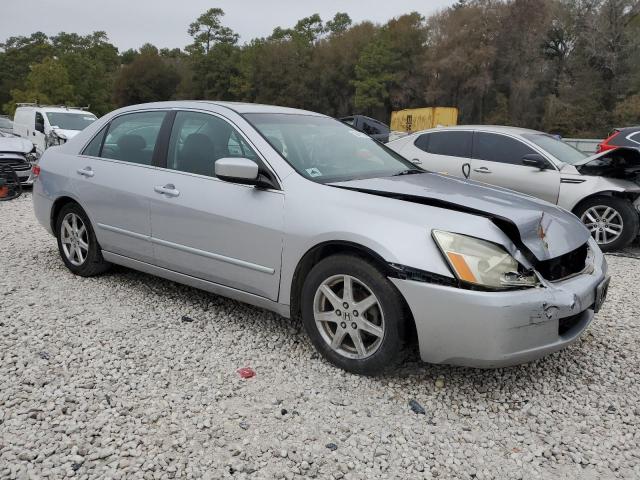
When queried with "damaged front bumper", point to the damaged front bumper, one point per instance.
{"points": [[497, 329]]}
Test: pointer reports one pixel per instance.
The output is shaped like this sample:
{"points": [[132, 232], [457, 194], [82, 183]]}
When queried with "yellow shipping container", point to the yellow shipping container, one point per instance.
{"points": [[416, 119]]}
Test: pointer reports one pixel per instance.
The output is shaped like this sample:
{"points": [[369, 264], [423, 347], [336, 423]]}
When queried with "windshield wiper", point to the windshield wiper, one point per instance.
{"points": [[409, 171]]}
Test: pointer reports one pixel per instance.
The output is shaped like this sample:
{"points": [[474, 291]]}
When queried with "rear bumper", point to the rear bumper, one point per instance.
{"points": [[497, 329], [25, 177]]}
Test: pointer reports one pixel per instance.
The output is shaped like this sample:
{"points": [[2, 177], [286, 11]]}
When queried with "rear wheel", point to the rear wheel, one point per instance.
{"points": [[612, 221], [77, 242], [354, 316]]}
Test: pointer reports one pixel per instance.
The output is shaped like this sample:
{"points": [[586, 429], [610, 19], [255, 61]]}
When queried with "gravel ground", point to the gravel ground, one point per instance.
{"points": [[102, 378]]}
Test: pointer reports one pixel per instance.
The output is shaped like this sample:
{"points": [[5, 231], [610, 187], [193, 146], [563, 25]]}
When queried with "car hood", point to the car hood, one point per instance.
{"points": [[546, 230], [622, 163], [15, 145]]}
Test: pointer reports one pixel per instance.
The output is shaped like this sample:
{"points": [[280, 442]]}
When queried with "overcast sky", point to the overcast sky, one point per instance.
{"points": [[131, 23]]}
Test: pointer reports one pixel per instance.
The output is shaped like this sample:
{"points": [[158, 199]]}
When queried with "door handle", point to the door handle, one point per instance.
{"points": [[86, 172], [416, 161], [482, 170], [169, 190]]}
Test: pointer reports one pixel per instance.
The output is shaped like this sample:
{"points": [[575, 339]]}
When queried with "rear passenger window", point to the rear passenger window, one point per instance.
{"points": [[454, 144], [132, 137], [630, 139], [422, 142], [199, 139], [499, 148], [93, 149]]}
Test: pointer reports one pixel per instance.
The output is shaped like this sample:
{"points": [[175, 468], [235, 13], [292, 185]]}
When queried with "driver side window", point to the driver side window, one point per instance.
{"points": [[39, 126], [198, 140]]}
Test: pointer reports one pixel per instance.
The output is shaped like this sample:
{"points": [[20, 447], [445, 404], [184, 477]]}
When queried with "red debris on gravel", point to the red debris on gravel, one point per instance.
{"points": [[246, 372]]}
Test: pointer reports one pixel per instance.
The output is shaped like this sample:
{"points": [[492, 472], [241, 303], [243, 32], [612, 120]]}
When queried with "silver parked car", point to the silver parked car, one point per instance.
{"points": [[300, 214], [603, 190], [19, 154]]}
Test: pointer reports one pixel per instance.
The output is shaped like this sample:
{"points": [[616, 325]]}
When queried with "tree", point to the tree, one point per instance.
{"points": [[146, 79], [340, 23], [48, 83], [208, 30]]}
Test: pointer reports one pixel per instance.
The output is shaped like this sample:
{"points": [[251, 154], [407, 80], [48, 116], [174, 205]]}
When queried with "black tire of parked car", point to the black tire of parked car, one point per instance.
{"points": [[94, 264], [396, 314], [629, 215]]}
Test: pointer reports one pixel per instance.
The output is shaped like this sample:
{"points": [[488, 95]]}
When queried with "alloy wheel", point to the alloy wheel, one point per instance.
{"points": [[75, 239], [348, 316], [604, 222]]}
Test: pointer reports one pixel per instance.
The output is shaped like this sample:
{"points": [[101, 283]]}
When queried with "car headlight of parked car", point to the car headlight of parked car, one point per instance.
{"points": [[478, 262], [53, 139]]}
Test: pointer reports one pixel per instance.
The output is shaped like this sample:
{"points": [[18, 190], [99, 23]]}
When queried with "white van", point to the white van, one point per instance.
{"points": [[48, 126]]}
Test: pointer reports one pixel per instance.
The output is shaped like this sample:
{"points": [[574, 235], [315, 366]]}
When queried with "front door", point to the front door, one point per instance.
{"points": [[226, 233], [113, 181], [497, 160]]}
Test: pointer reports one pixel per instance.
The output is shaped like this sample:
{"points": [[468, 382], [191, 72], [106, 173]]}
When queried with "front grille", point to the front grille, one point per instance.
{"points": [[564, 265], [15, 163]]}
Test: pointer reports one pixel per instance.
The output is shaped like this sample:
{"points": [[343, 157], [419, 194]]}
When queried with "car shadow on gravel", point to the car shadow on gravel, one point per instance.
{"points": [[468, 381]]}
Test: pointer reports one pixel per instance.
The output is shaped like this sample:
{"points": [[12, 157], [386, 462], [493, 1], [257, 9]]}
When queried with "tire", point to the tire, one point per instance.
{"points": [[620, 214], [381, 327], [89, 264]]}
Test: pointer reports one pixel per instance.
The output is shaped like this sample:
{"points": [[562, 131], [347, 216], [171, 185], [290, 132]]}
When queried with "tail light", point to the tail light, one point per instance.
{"points": [[35, 170], [604, 146]]}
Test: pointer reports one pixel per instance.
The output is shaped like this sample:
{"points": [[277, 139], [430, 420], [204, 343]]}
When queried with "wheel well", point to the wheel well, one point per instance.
{"points": [[327, 249], [57, 206], [631, 197]]}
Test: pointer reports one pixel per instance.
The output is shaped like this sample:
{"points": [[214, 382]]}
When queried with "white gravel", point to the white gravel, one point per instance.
{"points": [[100, 378]]}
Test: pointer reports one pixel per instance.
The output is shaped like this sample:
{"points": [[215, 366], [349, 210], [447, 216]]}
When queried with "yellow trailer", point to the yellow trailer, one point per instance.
{"points": [[416, 119]]}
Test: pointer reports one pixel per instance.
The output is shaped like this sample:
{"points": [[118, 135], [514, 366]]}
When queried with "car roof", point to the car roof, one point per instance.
{"points": [[55, 109], [485, 128], [238, 107]]}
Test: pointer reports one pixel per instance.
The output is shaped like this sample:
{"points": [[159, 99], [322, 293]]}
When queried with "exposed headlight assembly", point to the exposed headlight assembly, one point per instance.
{"points": [[478, 262], [53, 139]]}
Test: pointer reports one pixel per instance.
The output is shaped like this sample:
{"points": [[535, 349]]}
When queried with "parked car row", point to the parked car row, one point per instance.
{"points": [[298, 213], [48, 126], [602, 190]]}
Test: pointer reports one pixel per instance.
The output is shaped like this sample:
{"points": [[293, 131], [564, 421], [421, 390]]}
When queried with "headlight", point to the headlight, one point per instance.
{"points": [[53, 139], [479, 262]]}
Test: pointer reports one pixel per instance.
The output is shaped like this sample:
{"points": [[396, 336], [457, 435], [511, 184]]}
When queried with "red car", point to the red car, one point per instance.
{"points": [[621, 137]]}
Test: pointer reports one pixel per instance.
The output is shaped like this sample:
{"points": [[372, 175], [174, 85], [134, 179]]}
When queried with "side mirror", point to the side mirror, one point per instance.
{"points": [[40, 127], [237, 170], [244, 171], [535, 160]]}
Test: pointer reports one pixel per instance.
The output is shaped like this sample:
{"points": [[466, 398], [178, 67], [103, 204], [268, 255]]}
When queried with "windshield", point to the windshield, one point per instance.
{"points": [[71, 121], [326, 150], [5, 123], [562, 151]]}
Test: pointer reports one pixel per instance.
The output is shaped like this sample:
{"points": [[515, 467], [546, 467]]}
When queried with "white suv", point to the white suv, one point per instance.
{"points": [[48, 126]]}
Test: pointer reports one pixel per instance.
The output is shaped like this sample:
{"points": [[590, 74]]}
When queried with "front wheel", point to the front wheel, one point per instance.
{"points": [[354, 315], [612, 221]]}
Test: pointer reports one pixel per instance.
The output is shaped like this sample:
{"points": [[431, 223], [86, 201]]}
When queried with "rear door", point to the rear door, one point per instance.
{"points": [[497, 160], [222, 232], [114, 179], [444, 151]]}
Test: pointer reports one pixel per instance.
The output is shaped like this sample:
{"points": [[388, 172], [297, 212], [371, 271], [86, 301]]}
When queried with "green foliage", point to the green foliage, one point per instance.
{"points": [[47, 82], [148, 78], [567, 66], [208, 30]]}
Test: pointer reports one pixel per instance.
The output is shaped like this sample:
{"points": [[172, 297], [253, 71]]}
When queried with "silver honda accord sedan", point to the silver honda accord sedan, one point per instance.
{"points": [[300, 214]]}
